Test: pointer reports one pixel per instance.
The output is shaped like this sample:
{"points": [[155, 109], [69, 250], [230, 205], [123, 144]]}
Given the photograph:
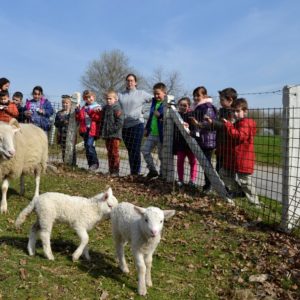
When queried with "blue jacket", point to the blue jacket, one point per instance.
{"points": [[159, 119]]}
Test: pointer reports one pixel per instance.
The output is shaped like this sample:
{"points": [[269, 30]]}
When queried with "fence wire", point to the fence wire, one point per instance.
{"points": [[268, 176]]}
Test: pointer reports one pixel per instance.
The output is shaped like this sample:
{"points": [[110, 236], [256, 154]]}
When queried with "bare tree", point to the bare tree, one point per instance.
{"points": [[107, 73], [171, 79]]}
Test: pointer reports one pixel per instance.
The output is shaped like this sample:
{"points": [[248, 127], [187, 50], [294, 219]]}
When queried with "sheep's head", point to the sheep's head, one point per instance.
{"points": [[152, 219], [7, 132], [108, 201]]}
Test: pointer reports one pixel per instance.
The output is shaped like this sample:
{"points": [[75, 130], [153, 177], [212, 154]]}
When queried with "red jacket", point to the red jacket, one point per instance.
{"points": [[239, 155], [10, 112], [95, 121]]}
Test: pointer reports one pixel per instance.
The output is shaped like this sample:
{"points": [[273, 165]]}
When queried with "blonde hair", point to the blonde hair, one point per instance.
{"points": [[111, 93]]}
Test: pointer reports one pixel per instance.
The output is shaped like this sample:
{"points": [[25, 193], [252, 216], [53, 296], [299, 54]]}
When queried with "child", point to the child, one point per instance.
{"points": [[181, 148], [4, 84], [111, 131], [154, 129], [89, 117], [227, 96], [38, 110], [8, 109], [17, 98], [205, 136], [238, 160], [62, 122]]}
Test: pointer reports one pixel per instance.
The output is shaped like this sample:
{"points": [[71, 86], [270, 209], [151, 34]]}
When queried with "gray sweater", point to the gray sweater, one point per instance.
{"points": [[132, 102]]}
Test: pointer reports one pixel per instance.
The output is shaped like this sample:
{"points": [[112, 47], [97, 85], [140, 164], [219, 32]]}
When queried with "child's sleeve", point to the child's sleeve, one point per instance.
{"points": [[240, 133], [12, 110]]}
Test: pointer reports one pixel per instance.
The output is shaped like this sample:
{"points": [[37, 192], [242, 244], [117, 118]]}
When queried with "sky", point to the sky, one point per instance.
{"points": [[251, 45]]}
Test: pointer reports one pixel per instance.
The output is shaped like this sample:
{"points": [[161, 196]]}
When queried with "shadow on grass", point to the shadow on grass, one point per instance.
{"points": [[100, 265]]}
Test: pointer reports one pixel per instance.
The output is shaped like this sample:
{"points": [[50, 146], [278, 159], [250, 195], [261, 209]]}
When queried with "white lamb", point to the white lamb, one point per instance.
{"points": [[23, 149], [142, 227], [82, 214]]}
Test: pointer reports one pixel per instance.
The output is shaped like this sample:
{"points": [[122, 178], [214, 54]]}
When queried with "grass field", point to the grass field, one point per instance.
{"points": [[208, 250], [268, 150]]}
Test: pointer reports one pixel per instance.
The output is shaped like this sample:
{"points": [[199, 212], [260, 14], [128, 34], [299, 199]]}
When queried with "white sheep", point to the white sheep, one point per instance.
{"points": [[82, 214], [142, 228], [23, 149]]}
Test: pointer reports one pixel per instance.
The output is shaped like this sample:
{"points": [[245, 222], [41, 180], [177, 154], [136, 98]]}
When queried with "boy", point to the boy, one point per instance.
{"points": [[238, 160], [8, 109], [89, 117], [111, 131], [61, 123], [154, 129], [227, 96], [17, 98]]}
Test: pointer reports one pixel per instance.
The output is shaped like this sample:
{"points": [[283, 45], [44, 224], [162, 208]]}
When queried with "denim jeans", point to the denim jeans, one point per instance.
{"points": [[151, 142], [90, 150], [132, 138]]}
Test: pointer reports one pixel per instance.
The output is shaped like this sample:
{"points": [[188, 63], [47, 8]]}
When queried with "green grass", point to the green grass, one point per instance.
{"points": [[207, 251], [268, 150]]}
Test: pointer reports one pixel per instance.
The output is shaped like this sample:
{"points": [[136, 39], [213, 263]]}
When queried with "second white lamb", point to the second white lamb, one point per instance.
{"points": [[81, 213], [142, 228]]}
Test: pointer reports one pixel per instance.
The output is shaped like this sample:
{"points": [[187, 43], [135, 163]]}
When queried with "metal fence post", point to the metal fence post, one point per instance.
{"points": [[167, 155], [72, 131], [290, 157]]}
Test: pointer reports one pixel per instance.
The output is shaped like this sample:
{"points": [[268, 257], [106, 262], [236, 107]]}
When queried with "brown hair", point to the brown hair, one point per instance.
{"points": [[187, 99], [160, 86], [88, 93], [201, 90], [240, 102]]}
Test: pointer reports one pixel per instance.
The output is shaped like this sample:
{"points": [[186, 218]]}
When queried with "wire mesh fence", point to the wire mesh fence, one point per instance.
{"points": [[276, 147]]}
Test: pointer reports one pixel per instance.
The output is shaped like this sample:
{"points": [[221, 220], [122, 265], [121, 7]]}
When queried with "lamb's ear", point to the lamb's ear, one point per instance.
{"points": [[107, 194], [169, 213], [140, 210]]}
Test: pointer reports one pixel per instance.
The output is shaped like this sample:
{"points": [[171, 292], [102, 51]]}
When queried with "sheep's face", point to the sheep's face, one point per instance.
{"points": [[7, 148], [152, 219], [109, 202]]}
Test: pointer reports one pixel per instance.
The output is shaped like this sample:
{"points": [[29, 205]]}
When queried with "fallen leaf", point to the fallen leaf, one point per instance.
{"points": [[104, 295], [23, 273], [258, 278]]}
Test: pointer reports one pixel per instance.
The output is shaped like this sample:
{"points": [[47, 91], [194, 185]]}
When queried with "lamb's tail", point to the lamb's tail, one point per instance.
{"points": [[25, 212]]}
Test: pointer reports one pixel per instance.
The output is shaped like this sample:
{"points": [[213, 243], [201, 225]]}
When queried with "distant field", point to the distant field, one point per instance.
{"points": [[268, 150]]}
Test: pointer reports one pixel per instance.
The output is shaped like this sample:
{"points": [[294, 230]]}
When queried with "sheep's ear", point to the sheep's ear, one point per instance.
{"points": [[140, 210], [107, 194], [169, 213]]}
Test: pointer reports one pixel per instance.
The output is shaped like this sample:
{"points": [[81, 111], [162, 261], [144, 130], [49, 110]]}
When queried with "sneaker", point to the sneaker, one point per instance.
{"points": [[192, 184], [206, 189], [152, 174], [179, 184], [93, 167], [114, 174]]}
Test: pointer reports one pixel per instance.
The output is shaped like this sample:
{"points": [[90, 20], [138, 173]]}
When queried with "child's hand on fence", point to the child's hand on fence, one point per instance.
{"points": [[195, 122], [207, 119], [97, 109]]}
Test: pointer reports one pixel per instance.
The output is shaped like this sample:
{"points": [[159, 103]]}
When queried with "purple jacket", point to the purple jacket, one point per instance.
{"points": [[206, 137]]}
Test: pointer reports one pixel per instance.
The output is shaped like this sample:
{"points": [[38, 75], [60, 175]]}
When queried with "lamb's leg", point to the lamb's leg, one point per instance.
{"points": [[5, 186], [45, 238], [32, 238], [84, 239], [141, 268], [37, 183], [119, 244], [86, 253], [148, 262], [22, 186]]}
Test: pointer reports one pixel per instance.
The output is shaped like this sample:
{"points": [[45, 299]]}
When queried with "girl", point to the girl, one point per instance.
{"points": [[181, 148], [205, 137]]}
